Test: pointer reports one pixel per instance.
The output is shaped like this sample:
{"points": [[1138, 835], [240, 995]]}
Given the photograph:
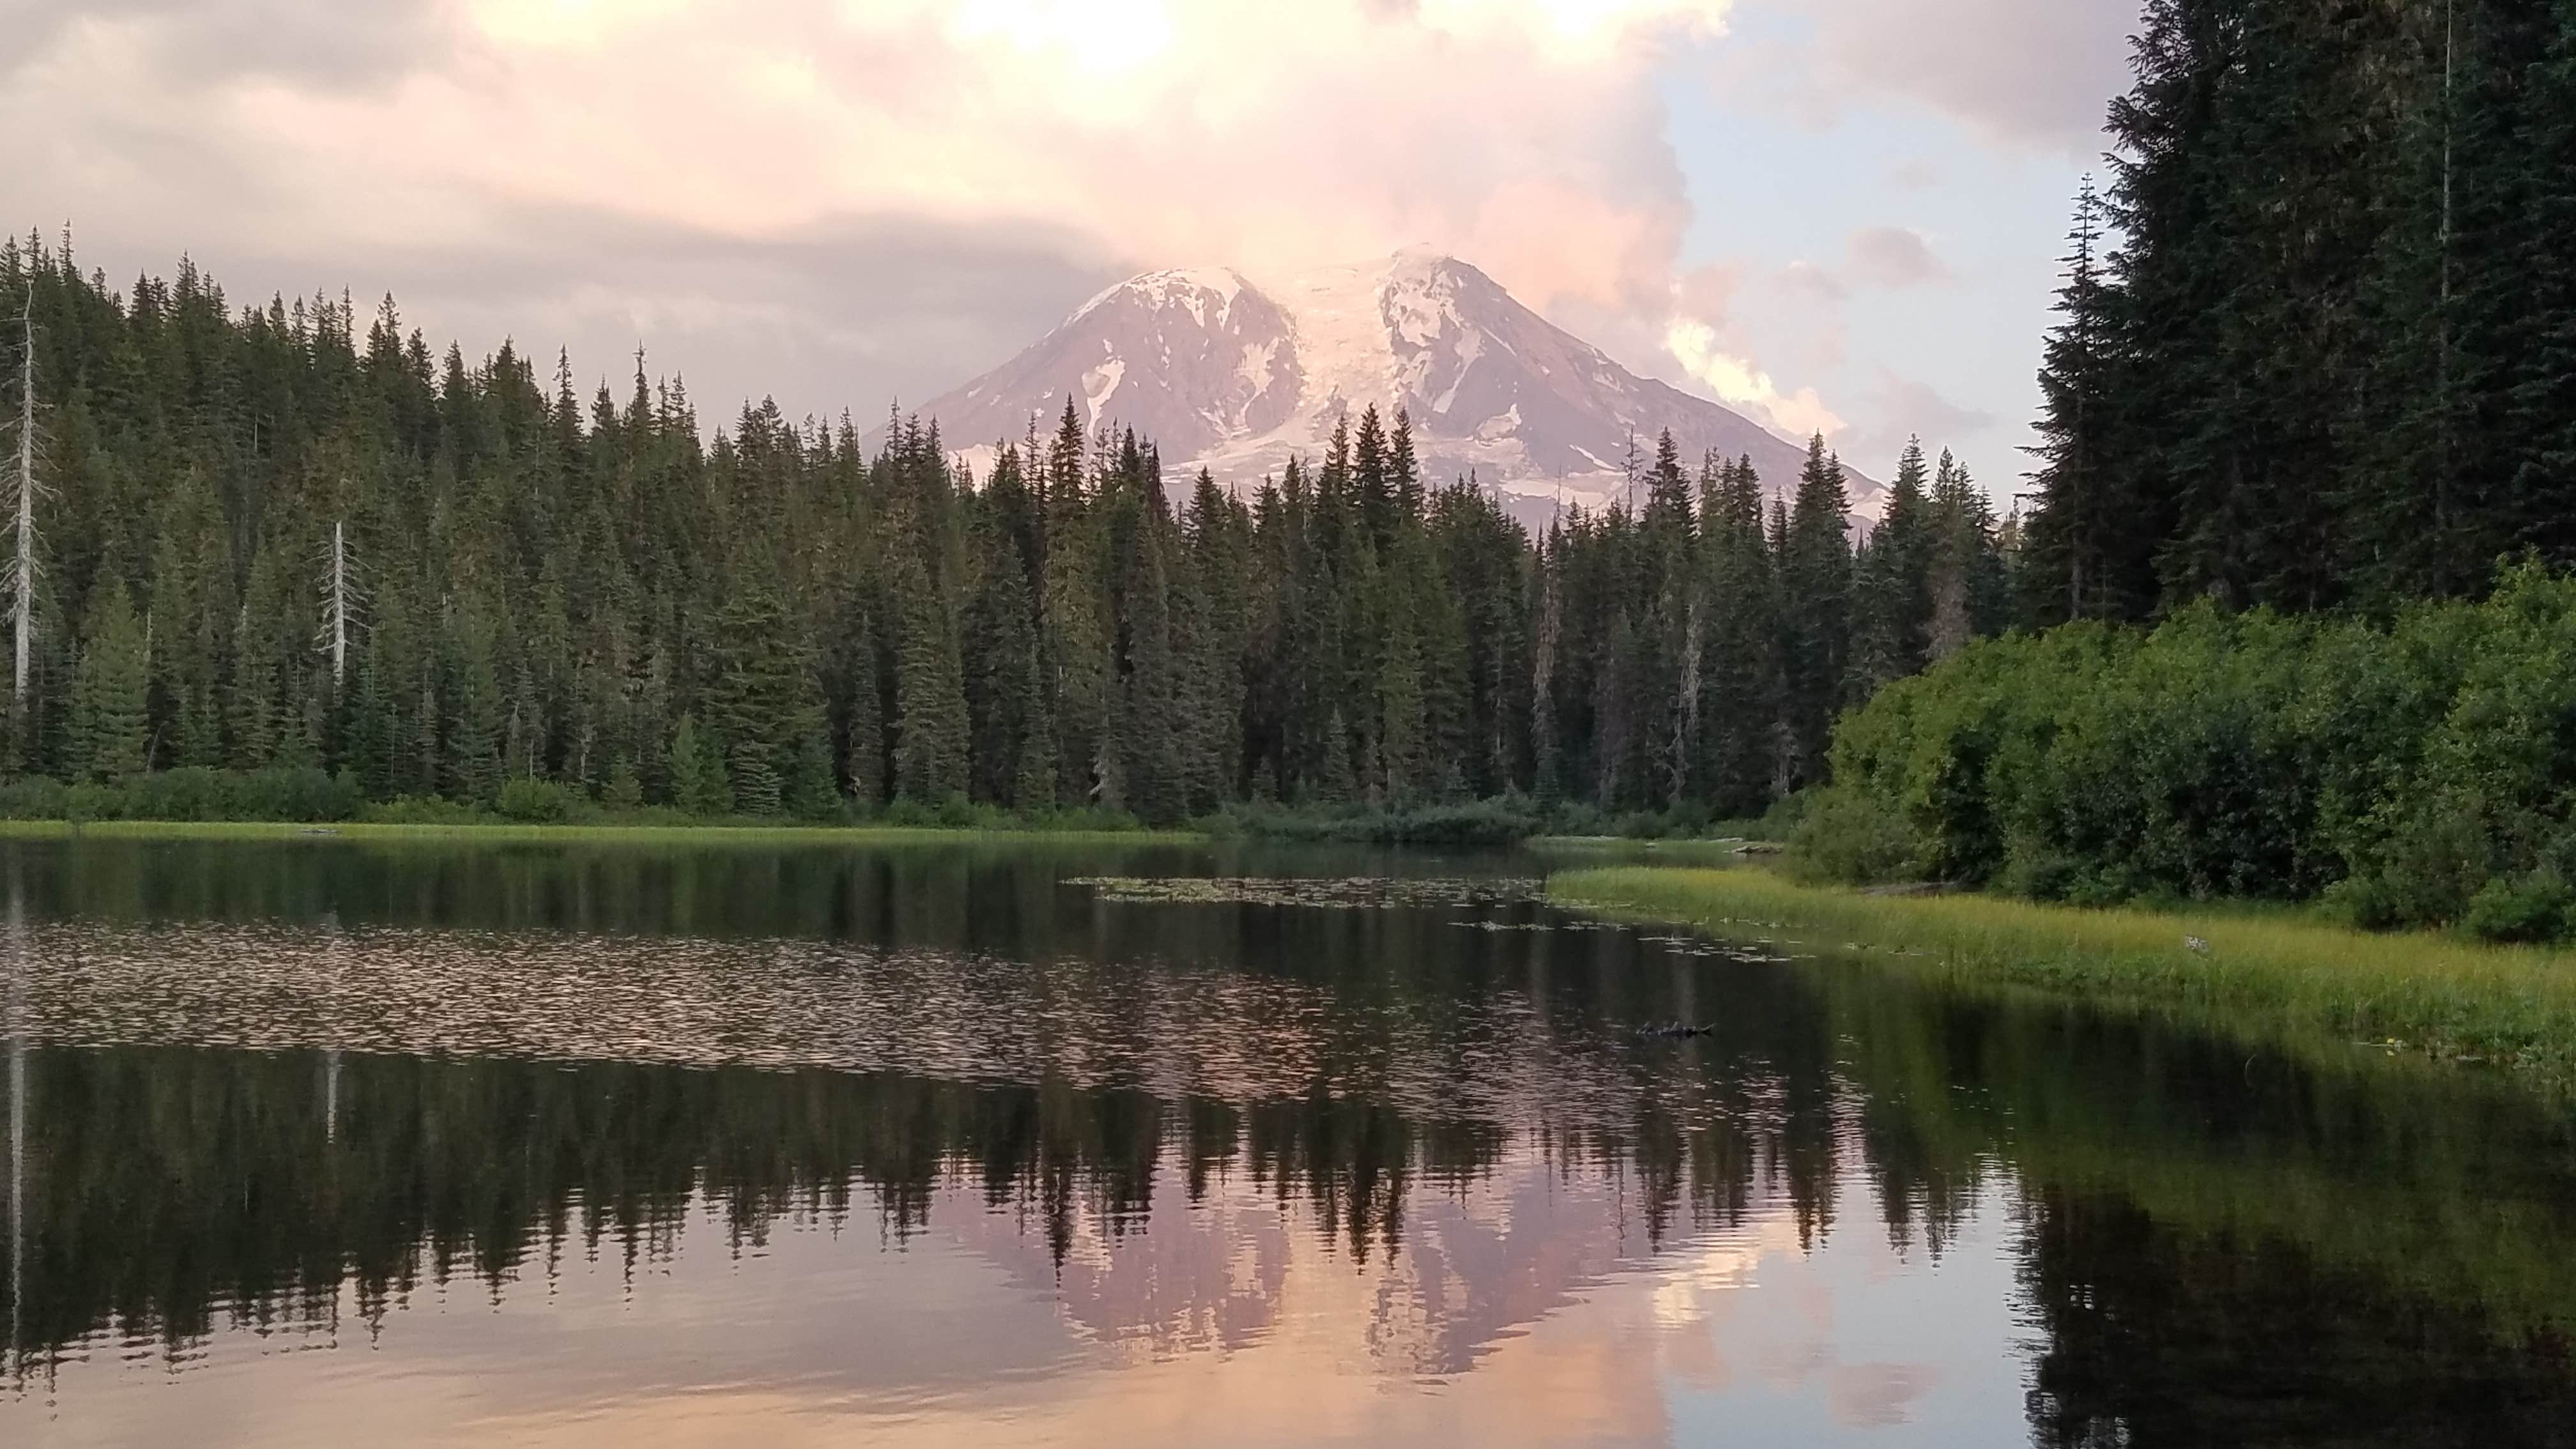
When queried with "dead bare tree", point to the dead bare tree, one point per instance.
{"points": [[24, 490], [343, 605]]}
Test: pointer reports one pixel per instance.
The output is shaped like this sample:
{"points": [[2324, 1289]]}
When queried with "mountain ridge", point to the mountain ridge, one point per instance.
{"points": [[1234, 376]]}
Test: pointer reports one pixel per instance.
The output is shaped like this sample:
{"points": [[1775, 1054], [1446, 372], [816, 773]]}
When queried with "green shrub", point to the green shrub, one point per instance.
{"points": [[289, 793], [2534, 908], [425, 810], [2401, 767], [1853, 835], [2361, 901], [527, 801]]}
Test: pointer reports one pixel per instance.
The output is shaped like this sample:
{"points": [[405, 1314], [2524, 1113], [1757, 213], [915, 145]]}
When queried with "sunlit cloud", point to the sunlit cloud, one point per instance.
{"points": [[1528, 136], [1738, 381], [1270, 137]]}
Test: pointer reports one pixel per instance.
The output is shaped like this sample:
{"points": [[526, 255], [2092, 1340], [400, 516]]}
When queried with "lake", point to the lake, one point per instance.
{"points": [[353, 1142]]}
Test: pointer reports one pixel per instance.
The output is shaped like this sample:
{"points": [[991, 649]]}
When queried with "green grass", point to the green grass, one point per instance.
{"points": [[1619, 848], [496, 833], [2271, 971]]}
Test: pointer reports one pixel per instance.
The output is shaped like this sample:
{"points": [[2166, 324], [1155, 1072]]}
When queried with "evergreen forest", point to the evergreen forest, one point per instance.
{"points": [[2317, 342], [2306, 491], [291, 562]]}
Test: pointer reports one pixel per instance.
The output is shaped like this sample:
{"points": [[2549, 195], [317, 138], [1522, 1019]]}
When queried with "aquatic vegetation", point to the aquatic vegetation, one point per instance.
{"points": [[2260, 971], [1348, 892]]}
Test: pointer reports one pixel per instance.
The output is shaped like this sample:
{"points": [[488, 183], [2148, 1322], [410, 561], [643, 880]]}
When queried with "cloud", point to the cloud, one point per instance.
{"points": [[1894, 257], [1698, 338], [1902, 409], [1739, 382], [2033, 71], [273, 138], [1814, 281], [325, 43]]}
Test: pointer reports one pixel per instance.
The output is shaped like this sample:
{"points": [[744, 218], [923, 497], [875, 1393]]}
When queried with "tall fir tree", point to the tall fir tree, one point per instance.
{"points": [[108, 721], [930, 723], [1815, 572]]}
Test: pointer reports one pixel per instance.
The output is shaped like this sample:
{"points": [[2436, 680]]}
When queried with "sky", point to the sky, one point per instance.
{"points": [[1836, 215]]}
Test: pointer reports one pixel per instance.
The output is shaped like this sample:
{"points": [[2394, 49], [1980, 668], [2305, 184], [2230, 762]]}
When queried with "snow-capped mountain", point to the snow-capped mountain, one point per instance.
{"points": [[1235, 377]]}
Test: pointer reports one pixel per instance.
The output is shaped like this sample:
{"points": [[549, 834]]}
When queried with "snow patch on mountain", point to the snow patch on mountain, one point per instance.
{"points": [[1238, 378]]}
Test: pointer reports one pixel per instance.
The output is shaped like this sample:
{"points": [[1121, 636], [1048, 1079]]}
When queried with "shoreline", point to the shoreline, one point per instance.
{"points": [[2453, 1000], [502, 832]]}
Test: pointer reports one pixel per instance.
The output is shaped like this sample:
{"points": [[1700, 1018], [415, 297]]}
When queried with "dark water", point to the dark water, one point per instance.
{"points": [[330, 1143]]}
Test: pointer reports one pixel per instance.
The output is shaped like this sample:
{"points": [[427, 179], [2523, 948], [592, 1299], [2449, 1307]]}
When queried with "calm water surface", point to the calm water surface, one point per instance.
{"points": [[323, 1142]]}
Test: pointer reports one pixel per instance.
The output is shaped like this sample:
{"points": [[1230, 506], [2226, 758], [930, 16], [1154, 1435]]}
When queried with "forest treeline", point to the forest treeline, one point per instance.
{"points": [[2311, 413], [559, 598], [2317, 344]]}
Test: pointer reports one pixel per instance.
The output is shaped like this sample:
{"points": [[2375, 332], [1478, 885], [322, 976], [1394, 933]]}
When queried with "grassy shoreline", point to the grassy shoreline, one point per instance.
{"points": [[2451, 999], [506, 833]]}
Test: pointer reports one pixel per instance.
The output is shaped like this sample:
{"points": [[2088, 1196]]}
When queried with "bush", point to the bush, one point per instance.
{"points": [[2535, 908], [2362, 902], [425, 810], [528, 801], [2419, 771], [1852, 835], [302, 794]]}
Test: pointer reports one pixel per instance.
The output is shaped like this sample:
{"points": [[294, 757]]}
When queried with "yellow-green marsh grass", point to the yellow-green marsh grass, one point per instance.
{"points": [[2450, 998], [1617, 848]]}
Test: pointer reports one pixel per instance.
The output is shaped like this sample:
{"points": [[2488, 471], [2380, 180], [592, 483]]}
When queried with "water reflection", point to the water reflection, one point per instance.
{"points": [[1224, 1167], [16, 966]]}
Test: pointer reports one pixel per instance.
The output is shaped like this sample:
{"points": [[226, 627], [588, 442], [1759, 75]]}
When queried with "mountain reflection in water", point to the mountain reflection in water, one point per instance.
{"points": [[1233, 1165]]}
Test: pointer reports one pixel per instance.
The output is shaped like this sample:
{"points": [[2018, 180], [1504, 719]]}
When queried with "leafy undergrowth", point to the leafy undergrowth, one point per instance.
{"points": [[2453, 999], [1502, 820]]}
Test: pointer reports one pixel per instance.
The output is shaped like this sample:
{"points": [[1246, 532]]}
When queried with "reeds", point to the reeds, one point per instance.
{"points": [[2276, 970]]}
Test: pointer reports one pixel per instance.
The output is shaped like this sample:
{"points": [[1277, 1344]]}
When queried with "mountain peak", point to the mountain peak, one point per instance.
{"points": [[1423, 257], [1178, 286], [1239, 377]]}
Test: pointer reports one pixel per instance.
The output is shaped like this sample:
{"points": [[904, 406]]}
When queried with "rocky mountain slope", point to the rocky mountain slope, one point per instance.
{"points": [[1237, 377]]}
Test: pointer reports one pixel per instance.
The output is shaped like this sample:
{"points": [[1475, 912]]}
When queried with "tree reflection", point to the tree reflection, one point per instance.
{"points": [[2220, 1241]]}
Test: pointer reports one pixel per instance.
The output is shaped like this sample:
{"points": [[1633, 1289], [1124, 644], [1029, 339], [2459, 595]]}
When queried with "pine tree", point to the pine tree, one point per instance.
{"points": [[2089, 542], [1815, 585], [1404, 471], [1673, 632], [1075, 631], [762, 704], [1404, 757], [1740, 678], [624, 791], [1339, 783], [108, 724], [1546, 738], [1212, 628], [1005, 681], [1372, 479], [478, 713], [1148, 758], [699, 782], [930, 695], [1892, 594], [1963, 562], [809, 791], [864, 757]]}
